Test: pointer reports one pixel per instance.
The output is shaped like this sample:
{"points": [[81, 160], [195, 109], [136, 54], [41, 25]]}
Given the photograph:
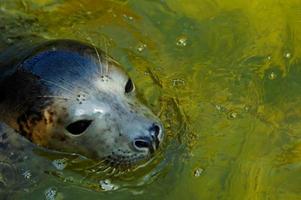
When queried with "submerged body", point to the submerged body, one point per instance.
{"points": [[68, 96]]}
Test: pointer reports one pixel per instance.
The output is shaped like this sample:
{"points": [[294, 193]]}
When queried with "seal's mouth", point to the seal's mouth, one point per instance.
{"points": [[125, 161]]}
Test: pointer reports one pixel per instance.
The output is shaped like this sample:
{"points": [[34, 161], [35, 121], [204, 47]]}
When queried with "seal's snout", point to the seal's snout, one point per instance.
{"points": [[150, 142]]}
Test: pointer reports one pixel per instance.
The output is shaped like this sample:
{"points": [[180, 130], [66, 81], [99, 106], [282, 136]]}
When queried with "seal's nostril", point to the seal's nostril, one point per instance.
{"points": [[156, 131], [150, 141], [143, 143]]}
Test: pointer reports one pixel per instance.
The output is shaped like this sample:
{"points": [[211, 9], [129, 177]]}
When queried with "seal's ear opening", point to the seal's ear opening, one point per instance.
{"points": [[78, 127], [2, 95]]}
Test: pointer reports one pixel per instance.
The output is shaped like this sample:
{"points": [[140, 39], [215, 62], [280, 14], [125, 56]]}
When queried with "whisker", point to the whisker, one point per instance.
{"points": [[83, 67], [118, 172], [90, 171], [99, 61], [106, 59], [108, 169], [96, 165], [97, 54], [54, 97], [59, 86], [73, 85]]}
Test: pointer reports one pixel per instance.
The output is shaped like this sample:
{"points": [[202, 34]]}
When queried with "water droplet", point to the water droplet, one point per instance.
{"points": [[141, 47], [27, 174], [182, 41], [233, 115], [50, 194], [128, 17], [272, 76], [269, 57], [198, 172], [60, 164], [107, 185]]}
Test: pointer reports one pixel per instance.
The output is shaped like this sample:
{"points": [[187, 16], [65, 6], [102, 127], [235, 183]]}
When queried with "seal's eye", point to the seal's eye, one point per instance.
{"points": [[78, 127], [129, 86]]}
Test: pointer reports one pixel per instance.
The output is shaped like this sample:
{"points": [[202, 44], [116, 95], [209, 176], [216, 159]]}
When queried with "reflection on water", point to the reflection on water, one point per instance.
{"points": [[224, 76]]}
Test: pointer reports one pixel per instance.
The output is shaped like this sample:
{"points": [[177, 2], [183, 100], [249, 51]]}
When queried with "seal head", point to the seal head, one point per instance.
{"points": [[72, 97]]}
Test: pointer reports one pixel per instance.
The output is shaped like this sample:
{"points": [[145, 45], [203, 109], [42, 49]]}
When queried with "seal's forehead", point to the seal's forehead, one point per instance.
{"points": [[114, 79], [59, 63], [81, 68], [117, 73], [62, 62]]}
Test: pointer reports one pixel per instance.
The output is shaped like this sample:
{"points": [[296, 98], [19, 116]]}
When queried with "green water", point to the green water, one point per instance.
{"points": [[224, 77]]}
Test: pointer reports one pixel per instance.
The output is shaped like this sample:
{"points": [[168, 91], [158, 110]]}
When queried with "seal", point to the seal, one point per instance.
{"points": [[71, 97]]}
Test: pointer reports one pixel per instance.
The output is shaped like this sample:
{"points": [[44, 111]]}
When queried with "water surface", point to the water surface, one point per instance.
{"points": [[224, 77]]}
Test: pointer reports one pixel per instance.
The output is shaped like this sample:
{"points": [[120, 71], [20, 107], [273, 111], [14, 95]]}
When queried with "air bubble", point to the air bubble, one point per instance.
{"points": [[10, 41], [69, 179], [218, 107], [287, 55], [27, 174], [272, 76], [141, 47], [51, 194], [182, 41], [178, 82], [128, 17], [246, 108], [106, 185], [233, 115], [198, 172], [60, 164]]}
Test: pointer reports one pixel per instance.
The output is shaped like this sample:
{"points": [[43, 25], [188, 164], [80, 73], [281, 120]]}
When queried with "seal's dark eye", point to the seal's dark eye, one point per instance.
{"points": [[78, 127], [129, 86]]}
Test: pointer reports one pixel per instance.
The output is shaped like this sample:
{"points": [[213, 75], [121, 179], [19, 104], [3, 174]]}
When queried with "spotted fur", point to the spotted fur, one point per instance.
{"points": [[64, 82]]}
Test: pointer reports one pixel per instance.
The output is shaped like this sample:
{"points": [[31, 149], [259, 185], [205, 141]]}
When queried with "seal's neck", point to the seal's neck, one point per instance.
{"points": [[20, 97]]}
